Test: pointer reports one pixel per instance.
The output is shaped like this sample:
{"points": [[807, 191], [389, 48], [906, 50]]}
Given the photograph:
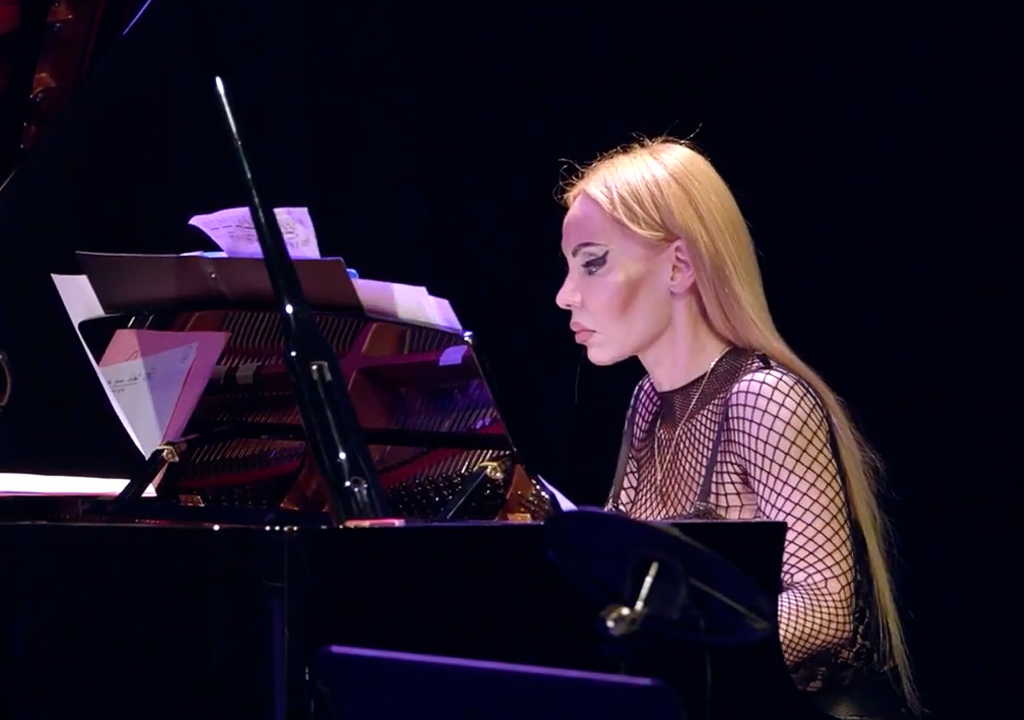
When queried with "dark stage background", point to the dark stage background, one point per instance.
{"points": [[429, 140]]}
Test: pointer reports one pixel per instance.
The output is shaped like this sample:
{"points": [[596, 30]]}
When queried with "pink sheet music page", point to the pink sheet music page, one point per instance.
{"points": [[128, 345]]}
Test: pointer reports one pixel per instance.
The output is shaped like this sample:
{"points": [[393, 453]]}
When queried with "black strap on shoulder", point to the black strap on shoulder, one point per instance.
{"points": [[701, 506], [624, 449]]}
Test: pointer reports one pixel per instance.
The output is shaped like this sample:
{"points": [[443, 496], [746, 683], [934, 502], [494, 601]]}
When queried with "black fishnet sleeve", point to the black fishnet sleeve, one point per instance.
{"points": [[780, 434]]}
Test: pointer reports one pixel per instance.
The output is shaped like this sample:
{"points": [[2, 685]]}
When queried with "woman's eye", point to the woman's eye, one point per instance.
{"points": [[594, 264]]}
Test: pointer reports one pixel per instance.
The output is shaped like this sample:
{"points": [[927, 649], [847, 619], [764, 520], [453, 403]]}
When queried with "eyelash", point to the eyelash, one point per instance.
{"points": [[593, 265]]}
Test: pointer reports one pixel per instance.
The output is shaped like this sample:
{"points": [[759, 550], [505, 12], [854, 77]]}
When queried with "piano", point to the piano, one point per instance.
{"points": [[209, 595]]}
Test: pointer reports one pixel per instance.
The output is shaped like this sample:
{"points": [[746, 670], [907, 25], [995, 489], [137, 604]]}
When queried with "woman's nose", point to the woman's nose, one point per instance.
{"points": [[567, 297]]}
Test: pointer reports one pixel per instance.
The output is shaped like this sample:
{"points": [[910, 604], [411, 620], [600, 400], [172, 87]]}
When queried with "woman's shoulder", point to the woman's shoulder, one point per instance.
{"points": [[644, 404], [754, 380], [767, 387], [644, 390]]}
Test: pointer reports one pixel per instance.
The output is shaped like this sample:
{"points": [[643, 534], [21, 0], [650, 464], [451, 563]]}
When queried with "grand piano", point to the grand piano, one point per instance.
{"points": [[208, 590]]}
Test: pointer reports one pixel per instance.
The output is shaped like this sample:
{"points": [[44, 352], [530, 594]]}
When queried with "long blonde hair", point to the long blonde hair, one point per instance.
{"points": [[665, 189]]}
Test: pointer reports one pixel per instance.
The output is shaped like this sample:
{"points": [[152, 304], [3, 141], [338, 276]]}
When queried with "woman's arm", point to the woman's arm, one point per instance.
{"points": [[780, 433]]}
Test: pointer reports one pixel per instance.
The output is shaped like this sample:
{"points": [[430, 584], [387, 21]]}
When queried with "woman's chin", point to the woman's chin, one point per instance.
{"points": [[601, 356]]}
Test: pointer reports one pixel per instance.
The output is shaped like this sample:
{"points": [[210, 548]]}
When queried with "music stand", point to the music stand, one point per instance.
{"points": [[362, 683], [653, 577], [661, 591]]}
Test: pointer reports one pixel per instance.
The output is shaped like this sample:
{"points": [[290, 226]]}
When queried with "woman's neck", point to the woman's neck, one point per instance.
{"points": [[683, 353]]}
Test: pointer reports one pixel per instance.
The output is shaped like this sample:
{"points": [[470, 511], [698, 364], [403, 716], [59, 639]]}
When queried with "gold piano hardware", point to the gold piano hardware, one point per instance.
{"points": [[495, 469], [171, 453]]}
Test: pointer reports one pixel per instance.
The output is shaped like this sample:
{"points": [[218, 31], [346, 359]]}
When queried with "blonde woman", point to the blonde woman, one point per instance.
{"points": [[728, 422]]}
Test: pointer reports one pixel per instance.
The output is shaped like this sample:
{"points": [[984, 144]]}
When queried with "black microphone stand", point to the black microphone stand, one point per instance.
{"points": [[5, 380], [332, 428]]}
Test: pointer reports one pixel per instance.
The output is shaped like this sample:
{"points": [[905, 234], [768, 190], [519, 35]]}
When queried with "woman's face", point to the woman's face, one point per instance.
{"points": [[618, 286]]}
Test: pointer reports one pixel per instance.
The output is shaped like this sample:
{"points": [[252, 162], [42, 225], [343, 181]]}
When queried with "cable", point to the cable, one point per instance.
{"points": [[707, 667]]}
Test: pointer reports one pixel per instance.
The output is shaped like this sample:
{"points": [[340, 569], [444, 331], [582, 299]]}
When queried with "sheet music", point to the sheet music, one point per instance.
{"points": [[234, 233], [411, 303], [81, 304], [148, 388], [21, 484], [445, 315], [128, 344]]}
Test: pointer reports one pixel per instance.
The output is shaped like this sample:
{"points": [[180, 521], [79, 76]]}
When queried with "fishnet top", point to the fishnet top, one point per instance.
{"points": [[774, 458]]}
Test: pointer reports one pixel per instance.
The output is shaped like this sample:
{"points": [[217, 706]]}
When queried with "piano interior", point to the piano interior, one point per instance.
{"points": [[437, 440]]}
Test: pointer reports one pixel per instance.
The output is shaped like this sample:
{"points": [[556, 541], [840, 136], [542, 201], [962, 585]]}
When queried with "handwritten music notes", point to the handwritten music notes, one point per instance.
{"points": [[233, 231], [148, 388], [128, 344]]}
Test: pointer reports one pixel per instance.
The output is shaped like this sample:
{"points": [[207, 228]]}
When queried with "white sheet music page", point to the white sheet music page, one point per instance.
{"points": [[406, 302], [20, 484], [235, 234], [81, 303], [147, 389]]}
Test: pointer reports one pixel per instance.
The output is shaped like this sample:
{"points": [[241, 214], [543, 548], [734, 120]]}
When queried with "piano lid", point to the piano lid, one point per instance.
{"points": [[136, 152]]}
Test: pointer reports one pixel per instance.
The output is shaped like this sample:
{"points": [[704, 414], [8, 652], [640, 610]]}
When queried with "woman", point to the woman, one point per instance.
{"points": [[728, 422]]}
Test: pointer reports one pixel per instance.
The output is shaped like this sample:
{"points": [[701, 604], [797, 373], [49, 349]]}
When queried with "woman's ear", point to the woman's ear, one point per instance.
{"points": [[682, 269]]}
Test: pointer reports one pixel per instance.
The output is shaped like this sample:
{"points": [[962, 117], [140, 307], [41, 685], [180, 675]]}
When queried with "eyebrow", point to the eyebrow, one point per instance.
{"points": [[583, 245]]}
